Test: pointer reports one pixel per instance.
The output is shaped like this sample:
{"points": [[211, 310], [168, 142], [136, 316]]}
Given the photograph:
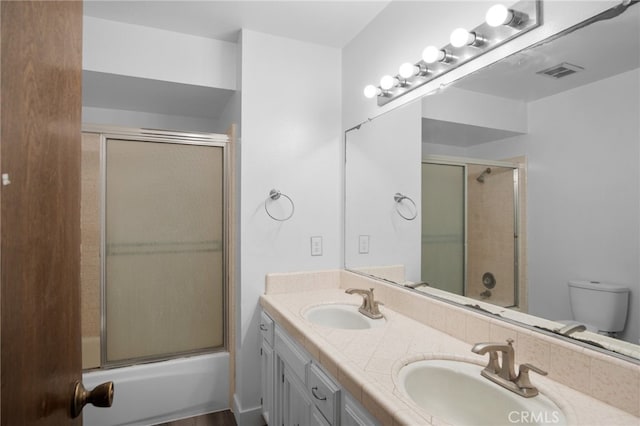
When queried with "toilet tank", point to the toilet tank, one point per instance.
{"points": [[602, 305]]}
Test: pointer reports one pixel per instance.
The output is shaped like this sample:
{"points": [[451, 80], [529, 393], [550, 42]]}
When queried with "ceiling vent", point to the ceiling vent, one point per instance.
{"points": [[561, 70]]}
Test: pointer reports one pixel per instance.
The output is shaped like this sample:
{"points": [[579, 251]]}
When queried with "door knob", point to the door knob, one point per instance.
{"points": [[100, 396]]}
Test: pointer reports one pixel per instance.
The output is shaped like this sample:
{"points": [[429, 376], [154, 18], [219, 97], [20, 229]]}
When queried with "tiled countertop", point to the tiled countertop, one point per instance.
{"points": [[364, 361]]}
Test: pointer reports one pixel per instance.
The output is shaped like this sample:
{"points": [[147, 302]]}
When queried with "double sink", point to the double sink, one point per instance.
{"points": [[453, 391]]}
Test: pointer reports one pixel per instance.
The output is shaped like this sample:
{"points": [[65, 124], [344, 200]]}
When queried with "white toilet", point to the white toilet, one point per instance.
{"points": [[601, 307]]}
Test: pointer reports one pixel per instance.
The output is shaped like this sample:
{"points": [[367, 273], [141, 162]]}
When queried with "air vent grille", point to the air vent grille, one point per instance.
{"points": [[561, 70]]}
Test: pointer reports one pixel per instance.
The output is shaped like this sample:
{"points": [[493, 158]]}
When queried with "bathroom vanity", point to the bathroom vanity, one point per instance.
{"points": [[319, 374], [297, 390]]}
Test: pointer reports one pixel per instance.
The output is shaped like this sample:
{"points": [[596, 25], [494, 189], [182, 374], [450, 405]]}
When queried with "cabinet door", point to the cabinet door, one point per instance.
{"points": [[317, 419], [353, 414], [268, 382], [296, 404]]}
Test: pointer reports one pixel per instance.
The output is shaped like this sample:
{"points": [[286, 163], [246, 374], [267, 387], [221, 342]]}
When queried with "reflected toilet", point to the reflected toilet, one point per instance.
{"points": [[601, 307]]}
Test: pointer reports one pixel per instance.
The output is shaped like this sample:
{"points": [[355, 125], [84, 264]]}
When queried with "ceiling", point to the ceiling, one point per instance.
{"points": [[603, 49], [331, 23]]}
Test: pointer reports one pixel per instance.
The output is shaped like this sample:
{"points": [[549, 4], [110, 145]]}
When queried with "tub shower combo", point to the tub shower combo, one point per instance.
{"points": [[153, 272], [470, 228]]}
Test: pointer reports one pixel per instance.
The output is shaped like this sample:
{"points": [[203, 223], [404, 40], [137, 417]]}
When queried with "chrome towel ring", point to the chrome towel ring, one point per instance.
{"points": [[399, 198], [274, 195]]}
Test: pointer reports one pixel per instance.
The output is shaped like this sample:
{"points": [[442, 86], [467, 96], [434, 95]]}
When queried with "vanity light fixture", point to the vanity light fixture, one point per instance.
{"points": [[501, 25], [432, 54], [499, 14], [388, 82], [372, 91], [409, 70], [461, 37]]}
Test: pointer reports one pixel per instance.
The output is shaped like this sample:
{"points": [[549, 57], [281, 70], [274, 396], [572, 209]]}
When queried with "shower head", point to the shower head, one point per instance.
{"points": [[486, 171]]}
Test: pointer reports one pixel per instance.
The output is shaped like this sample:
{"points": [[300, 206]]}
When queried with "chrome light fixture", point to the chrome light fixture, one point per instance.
{"points": [[499, 15], [501, 25]]}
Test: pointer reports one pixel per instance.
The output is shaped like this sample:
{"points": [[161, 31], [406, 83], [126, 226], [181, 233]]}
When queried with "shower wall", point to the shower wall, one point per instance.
{"points": [[90, 250], [490, 238]]}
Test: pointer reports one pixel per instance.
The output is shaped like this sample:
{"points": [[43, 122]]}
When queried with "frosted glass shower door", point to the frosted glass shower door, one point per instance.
{"points": [[164, 265], [443, 226]]}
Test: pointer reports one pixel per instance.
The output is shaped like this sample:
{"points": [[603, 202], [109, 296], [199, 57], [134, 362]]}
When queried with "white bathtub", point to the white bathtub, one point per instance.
{"points": [[159, 392]]}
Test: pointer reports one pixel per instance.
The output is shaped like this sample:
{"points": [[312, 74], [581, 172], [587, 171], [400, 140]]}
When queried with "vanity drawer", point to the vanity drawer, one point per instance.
{"points": [[266, 328], [325, 394], [294, 358]]}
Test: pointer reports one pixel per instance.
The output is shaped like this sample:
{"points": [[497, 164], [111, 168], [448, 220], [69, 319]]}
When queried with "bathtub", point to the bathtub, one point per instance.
{"points": [[159, 392]]}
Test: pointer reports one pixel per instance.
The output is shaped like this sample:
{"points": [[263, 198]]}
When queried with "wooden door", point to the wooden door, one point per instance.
{"points": [[41, 69]]}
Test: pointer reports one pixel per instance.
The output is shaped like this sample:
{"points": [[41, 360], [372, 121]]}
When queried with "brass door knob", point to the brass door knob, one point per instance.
{"points": [[100, 396]]}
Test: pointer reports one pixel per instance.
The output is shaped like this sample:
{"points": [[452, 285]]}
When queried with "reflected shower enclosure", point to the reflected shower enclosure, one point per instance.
{"points": [[155, 209], [470, 229]]}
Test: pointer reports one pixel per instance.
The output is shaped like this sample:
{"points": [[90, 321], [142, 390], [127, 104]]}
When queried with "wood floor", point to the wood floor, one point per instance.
{"points": [[221, 418]]}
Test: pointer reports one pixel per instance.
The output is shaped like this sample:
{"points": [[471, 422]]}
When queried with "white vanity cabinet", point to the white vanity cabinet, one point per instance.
{"points": [[292, 402], [296, 391], [295, 403], [268, 365], [354, 414]]}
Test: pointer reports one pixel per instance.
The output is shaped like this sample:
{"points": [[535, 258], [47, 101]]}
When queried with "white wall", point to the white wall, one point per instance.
{"points": [[139, 119], [583, 185], [476, 109], [392, 141], [168, 61], [137, 51], [291, 141]]}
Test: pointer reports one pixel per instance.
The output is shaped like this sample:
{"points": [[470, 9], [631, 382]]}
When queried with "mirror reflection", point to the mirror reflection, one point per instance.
{"points": [[524, 179]]}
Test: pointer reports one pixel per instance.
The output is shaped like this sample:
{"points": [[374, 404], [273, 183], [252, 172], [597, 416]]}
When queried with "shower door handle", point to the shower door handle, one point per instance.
{"points": [[100, 396]]}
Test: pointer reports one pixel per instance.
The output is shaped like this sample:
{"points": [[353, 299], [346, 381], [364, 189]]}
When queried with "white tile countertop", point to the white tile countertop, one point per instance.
{"points": [[366, 362]]}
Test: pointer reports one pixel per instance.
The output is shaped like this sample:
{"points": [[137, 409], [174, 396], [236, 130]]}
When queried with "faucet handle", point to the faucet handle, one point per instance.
{"points": [[524, 369], [523, 382], [374, 308]]}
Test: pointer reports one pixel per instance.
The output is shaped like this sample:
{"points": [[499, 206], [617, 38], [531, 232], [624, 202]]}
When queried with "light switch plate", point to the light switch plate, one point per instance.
{"points": [[316, 246], [363, 244]]}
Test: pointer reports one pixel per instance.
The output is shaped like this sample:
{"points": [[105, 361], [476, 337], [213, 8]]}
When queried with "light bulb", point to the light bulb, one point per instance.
{"points": [[387, 82], [371, 91], [498, 15], [461, 37], [408, 70], [432, 54]]}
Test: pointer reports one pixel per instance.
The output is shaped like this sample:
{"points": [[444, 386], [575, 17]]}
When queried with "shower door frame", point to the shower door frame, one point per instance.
{"points": [[171, 137], [464, 162]]}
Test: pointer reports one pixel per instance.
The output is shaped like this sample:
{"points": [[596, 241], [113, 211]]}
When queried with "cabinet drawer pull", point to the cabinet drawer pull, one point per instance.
{"points": [[263, 327], [313, 391]]}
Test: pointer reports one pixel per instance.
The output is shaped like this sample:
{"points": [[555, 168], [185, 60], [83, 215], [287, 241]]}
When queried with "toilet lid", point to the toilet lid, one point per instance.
{"points": [[599, 286]]}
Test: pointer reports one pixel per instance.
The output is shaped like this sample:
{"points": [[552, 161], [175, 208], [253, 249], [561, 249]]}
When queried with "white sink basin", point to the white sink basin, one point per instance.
{"points": [[455, 392], [341, 316]]}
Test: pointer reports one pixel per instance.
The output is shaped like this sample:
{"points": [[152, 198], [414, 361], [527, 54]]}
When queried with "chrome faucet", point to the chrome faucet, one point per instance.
{"points": [[504, 374], [369, 306], [417, 284], [569, 329]]}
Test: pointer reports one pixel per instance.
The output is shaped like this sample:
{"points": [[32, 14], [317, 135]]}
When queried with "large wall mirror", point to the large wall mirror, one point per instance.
{"points": [[511, 183]]}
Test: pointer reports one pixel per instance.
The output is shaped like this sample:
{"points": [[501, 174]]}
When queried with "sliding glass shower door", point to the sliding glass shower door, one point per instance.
{"points": [[443, 226], [470, 229], [163, 271]]}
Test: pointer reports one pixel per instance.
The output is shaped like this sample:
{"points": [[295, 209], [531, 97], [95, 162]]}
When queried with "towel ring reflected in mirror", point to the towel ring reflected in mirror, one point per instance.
{"points": [[399, 198], [275, 195]]}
